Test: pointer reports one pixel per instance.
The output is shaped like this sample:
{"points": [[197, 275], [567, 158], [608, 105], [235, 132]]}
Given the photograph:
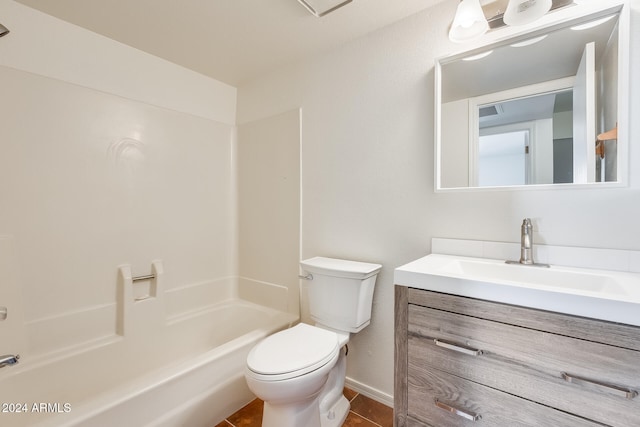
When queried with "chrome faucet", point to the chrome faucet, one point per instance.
{"points": [[526, 245], [526, 242]]}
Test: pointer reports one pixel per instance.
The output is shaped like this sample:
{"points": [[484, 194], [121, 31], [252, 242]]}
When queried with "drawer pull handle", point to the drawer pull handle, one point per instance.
{"points": [[625, 392], [459, 412], [458, 347]]}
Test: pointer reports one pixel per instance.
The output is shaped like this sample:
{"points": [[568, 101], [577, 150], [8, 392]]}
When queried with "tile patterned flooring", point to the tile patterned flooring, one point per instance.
{"points": [[365, 412]]}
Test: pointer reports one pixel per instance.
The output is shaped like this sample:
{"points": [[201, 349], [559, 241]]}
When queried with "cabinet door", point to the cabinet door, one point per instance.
{"points": [[592, 380]]}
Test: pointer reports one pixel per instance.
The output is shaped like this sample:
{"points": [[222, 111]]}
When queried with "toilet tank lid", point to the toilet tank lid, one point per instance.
{"points": [[340, 267]]}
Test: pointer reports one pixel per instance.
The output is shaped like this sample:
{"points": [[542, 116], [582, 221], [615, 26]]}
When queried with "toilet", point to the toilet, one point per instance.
{"points": [[299, 373]]}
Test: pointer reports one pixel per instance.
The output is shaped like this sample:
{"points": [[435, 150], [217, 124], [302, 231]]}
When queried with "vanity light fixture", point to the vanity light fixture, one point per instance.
{"points": [[522, 12], [469, 22], [320, 8], [3, 30]]}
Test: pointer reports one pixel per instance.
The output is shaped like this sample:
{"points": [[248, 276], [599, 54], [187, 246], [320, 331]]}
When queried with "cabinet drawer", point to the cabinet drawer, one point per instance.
{"points": [[440, 399], [577, 376]]}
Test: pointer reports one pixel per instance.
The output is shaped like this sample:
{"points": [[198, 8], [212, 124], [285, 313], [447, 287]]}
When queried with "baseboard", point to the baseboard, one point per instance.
{"points": [[368, 391]]}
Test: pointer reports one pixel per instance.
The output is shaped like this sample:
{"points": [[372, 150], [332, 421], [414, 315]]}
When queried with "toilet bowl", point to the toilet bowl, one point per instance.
{"points": [[299, 373], [288, 371]]}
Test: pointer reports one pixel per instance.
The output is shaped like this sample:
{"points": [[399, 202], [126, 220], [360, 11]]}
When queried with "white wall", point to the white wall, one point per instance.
{"points": [[108, 156], [367, 169]]}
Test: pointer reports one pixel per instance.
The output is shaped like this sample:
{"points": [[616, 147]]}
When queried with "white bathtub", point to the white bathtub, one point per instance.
{"points": [[189, 372]]}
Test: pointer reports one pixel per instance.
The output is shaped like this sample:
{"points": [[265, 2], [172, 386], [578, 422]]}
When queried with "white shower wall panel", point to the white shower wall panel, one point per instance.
{"points": [[90, 181]]}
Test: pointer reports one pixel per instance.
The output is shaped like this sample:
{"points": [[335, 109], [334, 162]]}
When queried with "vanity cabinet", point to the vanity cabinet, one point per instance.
{"points": [[462, 361]]}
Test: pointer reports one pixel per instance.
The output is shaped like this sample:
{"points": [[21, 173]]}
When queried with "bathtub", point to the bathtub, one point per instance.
{"points": [[189, 372]]}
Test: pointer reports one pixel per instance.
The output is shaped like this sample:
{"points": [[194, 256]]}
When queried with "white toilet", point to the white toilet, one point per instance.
{"points": [[299, 373]]}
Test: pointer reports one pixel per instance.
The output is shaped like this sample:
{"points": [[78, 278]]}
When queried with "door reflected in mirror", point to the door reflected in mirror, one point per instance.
{"points": [[529, 110], [525, 141]]}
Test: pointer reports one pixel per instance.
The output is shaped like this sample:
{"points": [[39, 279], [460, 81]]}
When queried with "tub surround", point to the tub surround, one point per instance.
{"points": [[108, 171], [268, 206], [105, 164], [102, 157], [101, 182]]}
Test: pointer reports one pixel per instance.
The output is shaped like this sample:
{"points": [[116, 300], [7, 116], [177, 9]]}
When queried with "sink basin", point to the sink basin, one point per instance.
{"points": [[558, 278], [601, 294]]}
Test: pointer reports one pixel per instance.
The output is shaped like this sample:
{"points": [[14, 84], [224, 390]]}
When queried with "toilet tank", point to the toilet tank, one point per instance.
{"points": [[341, 292]]}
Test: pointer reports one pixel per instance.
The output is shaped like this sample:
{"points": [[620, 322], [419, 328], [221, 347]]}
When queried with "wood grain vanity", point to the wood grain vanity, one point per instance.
{"points": [[462, 361]]}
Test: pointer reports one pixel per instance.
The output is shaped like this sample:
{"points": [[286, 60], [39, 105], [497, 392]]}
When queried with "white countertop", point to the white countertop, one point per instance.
{"points": [[599, 294]]}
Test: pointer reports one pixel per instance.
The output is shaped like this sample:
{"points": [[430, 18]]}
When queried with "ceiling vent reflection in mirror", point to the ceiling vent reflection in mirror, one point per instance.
{"points": [[320, 8]]}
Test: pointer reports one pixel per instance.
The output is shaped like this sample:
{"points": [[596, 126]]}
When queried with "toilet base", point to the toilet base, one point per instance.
{"points": [[336, 415], [305, 413]]}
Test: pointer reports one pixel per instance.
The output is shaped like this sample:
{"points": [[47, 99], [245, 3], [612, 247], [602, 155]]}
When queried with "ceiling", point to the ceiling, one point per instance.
{"points": [[230, 40]]}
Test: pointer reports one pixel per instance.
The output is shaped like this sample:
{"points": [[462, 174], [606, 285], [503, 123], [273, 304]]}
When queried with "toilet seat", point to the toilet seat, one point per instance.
{"points": [[293, 352]]}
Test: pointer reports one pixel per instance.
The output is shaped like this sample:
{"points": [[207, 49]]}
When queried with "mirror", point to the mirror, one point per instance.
{"points": [[530, 110]]}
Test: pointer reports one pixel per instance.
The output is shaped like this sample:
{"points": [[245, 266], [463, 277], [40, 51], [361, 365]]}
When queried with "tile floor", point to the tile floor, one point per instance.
{"points": [[365, 412]]}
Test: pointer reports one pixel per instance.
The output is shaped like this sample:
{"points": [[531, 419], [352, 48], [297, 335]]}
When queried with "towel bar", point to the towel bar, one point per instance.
{"points": [[140, 278]]}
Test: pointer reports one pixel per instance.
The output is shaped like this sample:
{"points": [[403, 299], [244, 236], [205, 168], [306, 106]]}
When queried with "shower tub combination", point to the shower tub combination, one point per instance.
{"points": [[189, 371]]}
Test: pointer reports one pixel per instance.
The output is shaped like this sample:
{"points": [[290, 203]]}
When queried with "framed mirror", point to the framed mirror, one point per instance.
{"points": [[539, 108]]}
